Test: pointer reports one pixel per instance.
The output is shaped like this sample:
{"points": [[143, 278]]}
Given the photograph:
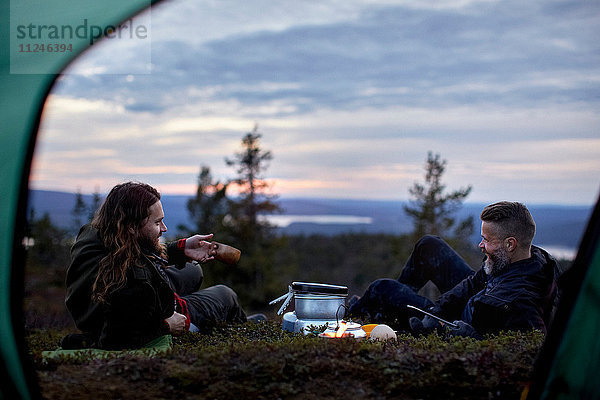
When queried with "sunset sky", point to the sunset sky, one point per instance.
{"points": [[348, 95]]}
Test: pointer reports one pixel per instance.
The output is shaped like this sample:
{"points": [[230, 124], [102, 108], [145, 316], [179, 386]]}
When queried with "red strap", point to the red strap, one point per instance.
{"points": [[182, 308], [181, 244]]}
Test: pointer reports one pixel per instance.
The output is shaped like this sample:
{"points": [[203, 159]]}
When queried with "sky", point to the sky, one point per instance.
{"points": [[349, 96]]}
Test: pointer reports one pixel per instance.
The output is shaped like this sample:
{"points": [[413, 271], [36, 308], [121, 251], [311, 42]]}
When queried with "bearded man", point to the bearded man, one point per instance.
{"points": [[514, 290], [125, 289]]}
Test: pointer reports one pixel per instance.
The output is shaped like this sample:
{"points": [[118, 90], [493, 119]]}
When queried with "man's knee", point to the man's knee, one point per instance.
{"points": [[195, 271], [429, 243], [385, 285], [226, 290], [227, 294], [186, 280]]}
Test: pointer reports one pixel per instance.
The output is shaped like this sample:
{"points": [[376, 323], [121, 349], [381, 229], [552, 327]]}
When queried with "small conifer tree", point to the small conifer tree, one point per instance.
{"points": [[432, 210]]}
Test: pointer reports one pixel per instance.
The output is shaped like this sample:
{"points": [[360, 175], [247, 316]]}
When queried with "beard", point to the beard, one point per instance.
{"points": [[496, 262], [151, 244]]}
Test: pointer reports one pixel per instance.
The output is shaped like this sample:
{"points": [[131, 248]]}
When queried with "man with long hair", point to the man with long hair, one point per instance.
{"points": [[514, 290], [125, 288]]}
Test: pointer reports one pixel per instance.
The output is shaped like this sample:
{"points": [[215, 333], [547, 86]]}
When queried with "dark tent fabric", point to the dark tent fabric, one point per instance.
{"points": [[568, 365], [25, 81]]}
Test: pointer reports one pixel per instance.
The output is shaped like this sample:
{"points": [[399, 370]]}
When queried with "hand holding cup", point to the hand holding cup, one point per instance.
{"points": [[226, 253]]}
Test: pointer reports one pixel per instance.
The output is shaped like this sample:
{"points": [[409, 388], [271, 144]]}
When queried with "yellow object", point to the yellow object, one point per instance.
{"points": [[368, 328]]}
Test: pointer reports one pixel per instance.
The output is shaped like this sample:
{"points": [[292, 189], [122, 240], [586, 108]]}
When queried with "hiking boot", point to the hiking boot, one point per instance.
{"points": [[425, 326], [353, 300], [350, 309]]}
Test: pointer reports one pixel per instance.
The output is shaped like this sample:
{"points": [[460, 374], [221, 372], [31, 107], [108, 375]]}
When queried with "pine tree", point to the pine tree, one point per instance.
{"points": [[432, 210], [256, 280], [237, 221], [209, 207], [79, 212], [254, 200], [96, 203]]}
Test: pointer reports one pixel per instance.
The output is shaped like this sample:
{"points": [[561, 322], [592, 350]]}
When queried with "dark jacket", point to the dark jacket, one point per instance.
{"points": [[520, 298], [134, 314]]}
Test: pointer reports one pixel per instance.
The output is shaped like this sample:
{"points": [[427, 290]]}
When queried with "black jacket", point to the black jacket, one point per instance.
{"points": [[135, 314], [520, 298], [132, 315]]}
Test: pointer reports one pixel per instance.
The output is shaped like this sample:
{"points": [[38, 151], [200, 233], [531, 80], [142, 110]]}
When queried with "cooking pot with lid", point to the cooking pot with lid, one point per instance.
{"points": [[319, 300]]}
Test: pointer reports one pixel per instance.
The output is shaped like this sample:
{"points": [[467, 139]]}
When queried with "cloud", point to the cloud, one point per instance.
{"points": [[350, 97], [58, 104], [333, 61], [205, 124]]}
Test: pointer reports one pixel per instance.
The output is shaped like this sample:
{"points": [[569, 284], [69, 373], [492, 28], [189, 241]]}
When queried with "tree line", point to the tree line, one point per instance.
{"points": [[234, 211]]}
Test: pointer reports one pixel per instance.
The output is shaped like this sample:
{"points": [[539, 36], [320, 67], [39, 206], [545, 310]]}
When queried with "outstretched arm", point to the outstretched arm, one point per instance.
{"points": [[198, 248]]}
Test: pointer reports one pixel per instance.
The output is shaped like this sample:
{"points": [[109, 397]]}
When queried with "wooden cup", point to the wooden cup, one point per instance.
{"points": [[227, 254]]}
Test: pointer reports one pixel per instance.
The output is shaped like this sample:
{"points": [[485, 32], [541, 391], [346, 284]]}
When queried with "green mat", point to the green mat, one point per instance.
{"points": [[160, 345]]}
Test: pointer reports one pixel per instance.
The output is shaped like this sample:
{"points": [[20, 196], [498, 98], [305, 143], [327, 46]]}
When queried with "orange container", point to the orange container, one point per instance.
{"points": [[368, 328]]}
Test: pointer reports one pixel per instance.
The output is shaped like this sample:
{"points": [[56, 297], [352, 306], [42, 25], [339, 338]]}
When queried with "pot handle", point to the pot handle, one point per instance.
{"points": [[288, 297], [337, 319]]}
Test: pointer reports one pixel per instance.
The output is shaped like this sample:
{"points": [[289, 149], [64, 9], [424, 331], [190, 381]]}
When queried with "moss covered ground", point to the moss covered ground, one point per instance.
{"points": [[259, 361]]}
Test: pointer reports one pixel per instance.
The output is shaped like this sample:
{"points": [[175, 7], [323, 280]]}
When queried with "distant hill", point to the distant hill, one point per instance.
{"points": [[557, 226]]}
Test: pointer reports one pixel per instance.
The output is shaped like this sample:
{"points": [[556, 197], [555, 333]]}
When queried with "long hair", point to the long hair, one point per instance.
{"points": [[118, 221]]}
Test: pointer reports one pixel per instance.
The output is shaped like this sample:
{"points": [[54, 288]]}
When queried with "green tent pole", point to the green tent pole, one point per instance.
{"points": [[570, 358], [16, 144], [25, 81]]}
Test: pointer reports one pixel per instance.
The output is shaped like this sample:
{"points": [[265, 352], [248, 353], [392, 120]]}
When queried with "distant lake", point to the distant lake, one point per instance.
{"points": [[559, 228], [559, 252], [283, 221]]}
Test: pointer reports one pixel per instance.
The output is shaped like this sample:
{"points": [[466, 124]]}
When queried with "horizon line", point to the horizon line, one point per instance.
{"points": [[358, 199]]}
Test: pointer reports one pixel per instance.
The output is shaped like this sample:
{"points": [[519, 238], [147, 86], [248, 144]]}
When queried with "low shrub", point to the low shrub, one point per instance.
{"points": [[260, 361]]}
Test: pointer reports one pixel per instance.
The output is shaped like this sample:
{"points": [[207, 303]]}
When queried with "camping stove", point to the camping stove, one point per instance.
{"points": [[292, 323], [315, 304]]}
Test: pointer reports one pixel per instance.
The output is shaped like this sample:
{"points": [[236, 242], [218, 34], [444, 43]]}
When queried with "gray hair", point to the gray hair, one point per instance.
{"points": [[511, 219]]}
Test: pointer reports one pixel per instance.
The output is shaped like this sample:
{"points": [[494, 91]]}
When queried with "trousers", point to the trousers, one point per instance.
{"points": [[207, 307], [385, 300]]}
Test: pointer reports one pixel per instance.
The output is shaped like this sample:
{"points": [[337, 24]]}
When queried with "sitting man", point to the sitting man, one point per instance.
{"points": [[514, 290], [121, 290]]}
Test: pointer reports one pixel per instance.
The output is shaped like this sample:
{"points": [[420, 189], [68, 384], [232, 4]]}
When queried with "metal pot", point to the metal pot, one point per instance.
{"points": [[318, 306], [319, 301]]}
